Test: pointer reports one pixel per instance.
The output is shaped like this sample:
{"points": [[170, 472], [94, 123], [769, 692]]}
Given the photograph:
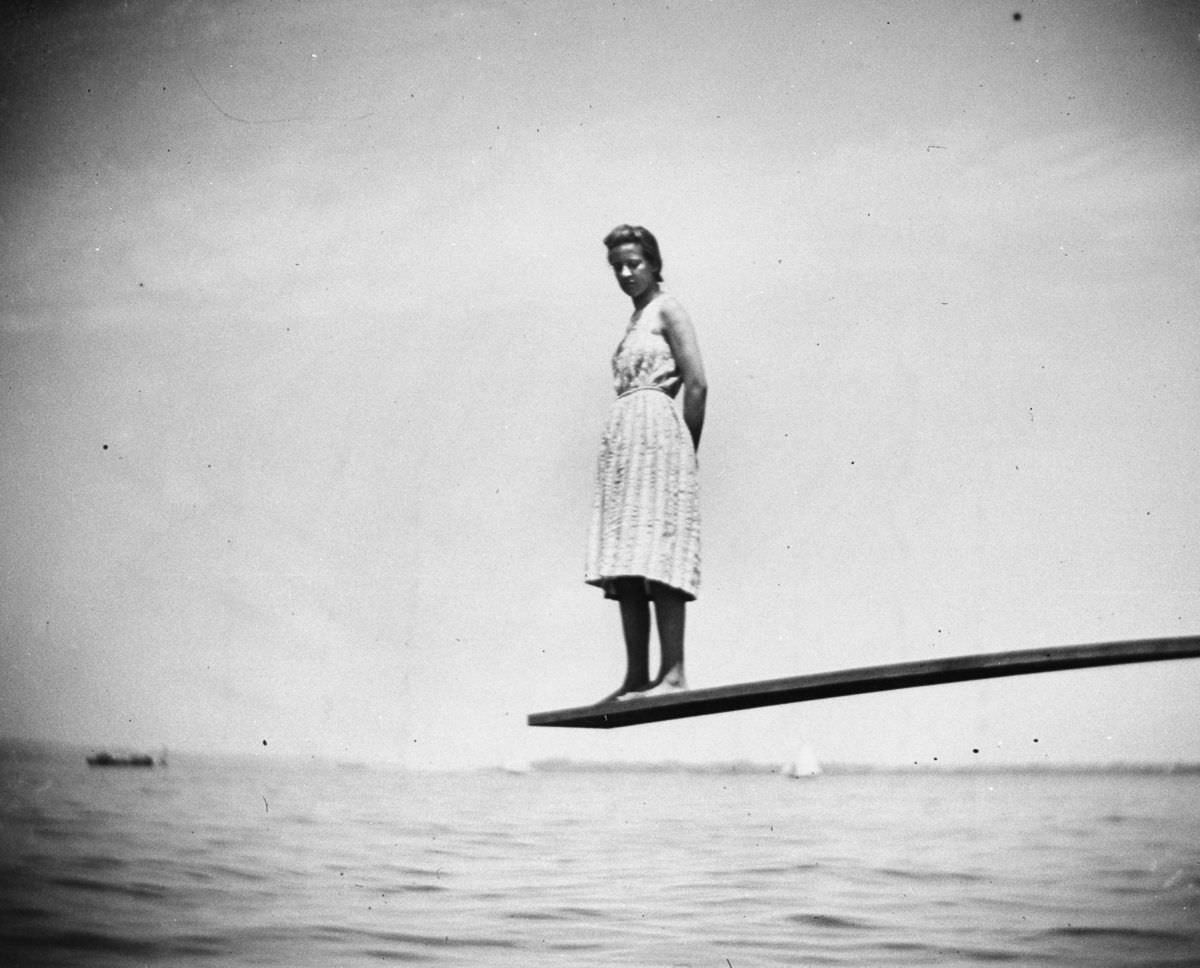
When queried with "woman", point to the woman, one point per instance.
{"points": [[644, 544]]}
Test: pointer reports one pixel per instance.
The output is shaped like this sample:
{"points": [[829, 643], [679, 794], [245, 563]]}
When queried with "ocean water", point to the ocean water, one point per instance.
{"points": [[260, 862]]}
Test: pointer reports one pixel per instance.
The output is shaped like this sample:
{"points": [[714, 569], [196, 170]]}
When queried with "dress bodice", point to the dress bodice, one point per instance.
{"points": [[643, 358]]}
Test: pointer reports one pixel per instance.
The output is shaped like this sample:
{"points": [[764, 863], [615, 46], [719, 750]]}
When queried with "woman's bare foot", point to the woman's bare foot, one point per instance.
{"points": [[627, 691], [668, 685]]}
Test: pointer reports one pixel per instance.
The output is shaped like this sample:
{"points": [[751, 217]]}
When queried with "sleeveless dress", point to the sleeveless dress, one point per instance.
{"points": [[645, 510]]}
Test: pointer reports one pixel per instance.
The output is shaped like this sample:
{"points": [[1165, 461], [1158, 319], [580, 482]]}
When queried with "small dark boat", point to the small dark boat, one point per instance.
{"points": [[110, 759]]}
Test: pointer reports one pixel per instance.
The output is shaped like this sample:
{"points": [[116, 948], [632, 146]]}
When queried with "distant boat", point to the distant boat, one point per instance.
{"points": [[516, 766], [122, 759], [804, 765]]}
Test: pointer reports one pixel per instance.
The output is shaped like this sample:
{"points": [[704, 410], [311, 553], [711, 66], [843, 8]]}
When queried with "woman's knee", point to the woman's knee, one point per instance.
{"points": [[630, 589], [662, 594]]}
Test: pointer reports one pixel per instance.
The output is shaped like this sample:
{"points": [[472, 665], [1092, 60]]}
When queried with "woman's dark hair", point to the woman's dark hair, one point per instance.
{"points": [[636, 235]]}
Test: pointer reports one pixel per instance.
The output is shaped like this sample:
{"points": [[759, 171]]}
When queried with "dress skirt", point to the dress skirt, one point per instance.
{"points": [[645, 511]]}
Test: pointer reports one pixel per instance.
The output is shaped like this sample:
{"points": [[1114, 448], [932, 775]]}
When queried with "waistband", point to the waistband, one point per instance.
{"points": [[639, 389]]}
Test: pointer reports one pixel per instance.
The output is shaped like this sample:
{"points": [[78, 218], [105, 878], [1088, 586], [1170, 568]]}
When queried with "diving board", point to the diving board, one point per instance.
{"points": [[852, 682]]}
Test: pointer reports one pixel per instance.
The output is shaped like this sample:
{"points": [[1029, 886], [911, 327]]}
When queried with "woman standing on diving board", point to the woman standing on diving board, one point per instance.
{"points": [[644, 541]]}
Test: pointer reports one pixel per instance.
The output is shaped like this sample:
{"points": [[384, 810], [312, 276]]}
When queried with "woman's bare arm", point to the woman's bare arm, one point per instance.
{"points": [[681, 337]]}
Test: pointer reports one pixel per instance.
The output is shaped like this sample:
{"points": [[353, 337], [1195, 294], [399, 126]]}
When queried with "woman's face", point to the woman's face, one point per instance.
{"points": [[634, 274]]}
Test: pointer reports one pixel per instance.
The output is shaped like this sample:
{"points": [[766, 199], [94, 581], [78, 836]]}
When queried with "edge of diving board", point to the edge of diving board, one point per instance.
{"points": [[851, 682]]}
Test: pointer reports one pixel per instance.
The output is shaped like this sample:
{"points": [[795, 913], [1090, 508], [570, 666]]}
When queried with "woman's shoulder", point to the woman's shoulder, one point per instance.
{"points": [[670, 310]]}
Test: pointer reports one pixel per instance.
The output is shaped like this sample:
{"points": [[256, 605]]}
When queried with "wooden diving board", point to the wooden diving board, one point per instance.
{"points": [[852, 682]]}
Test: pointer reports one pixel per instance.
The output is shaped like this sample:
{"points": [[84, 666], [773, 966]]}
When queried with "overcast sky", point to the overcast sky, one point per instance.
{"points": [[305, 325]]}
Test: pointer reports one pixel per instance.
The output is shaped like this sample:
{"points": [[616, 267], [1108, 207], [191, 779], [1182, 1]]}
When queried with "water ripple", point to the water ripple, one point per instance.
{"points": [[347, 868]]}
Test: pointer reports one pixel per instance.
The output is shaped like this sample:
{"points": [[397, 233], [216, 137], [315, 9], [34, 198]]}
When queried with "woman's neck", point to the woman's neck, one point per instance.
{"points": [[642, 300]]}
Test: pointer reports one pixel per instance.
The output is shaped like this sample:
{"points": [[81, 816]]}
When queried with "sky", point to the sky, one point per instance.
{"points": [[305, 326]]}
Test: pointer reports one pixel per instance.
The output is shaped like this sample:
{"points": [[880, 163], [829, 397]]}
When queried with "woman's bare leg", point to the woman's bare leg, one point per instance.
{"points": [[635, 624], [670, 612]]}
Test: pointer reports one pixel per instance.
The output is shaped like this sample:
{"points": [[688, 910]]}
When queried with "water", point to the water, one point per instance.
{"points": [[211, 862]]}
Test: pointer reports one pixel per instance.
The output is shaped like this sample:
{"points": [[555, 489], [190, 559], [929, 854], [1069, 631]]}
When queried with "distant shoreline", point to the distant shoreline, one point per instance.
{"points": [[15, 749], [741, 768]]}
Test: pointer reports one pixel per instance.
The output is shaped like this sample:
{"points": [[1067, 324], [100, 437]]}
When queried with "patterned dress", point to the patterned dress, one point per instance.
{"points": [[645, 512]]}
